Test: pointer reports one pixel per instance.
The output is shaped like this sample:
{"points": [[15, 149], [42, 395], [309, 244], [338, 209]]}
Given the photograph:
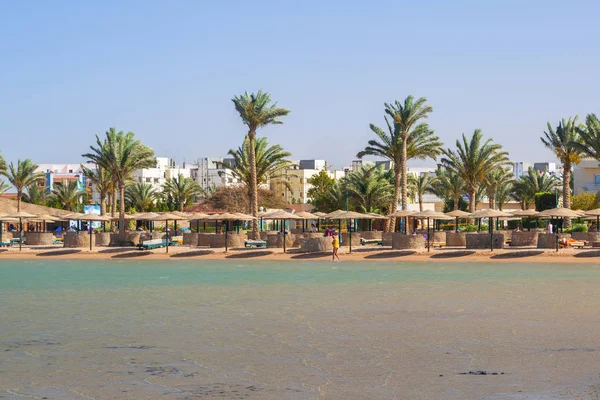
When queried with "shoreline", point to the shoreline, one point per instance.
{"points": [[585, 256]]}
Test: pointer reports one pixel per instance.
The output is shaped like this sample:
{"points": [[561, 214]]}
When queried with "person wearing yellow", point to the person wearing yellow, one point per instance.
{"points": [[336, 246]]}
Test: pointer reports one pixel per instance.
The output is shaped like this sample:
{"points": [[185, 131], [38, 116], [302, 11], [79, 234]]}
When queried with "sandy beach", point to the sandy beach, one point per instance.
{"points": [[461, 255]]}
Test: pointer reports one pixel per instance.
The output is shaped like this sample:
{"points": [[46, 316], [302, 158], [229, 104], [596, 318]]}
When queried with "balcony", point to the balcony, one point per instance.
{"points": [[591, 188]]}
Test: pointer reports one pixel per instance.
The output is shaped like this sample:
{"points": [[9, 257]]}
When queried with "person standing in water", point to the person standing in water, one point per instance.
{"points": [[336, 246]]}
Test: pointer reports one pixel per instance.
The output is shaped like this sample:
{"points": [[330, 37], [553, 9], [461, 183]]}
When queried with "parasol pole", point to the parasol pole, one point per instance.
{"points": [[20, 233], [167, 232], [226, 236], [427, 234]]}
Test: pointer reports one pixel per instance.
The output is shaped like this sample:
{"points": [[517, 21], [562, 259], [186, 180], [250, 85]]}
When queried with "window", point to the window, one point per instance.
{"points": [[597, 179], [155, 180], [70, 171], [147, 180], [139, 178]]}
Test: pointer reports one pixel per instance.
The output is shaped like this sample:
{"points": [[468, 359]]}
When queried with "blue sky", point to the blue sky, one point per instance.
{"points": [[168, 70]]}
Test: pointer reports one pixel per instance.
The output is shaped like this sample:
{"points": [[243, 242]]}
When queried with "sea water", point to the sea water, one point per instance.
{"points": [[246, 329]]}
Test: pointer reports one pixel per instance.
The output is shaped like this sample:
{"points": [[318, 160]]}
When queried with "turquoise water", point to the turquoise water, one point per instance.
{"points": [[51, 274]]}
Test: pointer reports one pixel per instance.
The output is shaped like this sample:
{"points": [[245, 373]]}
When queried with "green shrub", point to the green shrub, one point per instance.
{"points": [[545, 201], [577, 228]]}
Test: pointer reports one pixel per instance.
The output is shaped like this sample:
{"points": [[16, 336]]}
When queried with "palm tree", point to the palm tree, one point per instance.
{"points": [[422, 185], [472, 160], [102, 181], [369, 189], [560, 141], [525, 188], [448, 185], [2, 166], [21, 176], [67, 194], [182, 190], [503, 193], [404, 140], [3, 187], [141, 196], [256, 111], [271, 163], [35, 194], [121, 154], [589, 144], [495, 179]]}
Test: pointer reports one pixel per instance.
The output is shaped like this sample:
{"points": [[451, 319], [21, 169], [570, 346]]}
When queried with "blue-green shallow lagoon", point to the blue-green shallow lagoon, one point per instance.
{"points": [[77, 274], [297, 330]]}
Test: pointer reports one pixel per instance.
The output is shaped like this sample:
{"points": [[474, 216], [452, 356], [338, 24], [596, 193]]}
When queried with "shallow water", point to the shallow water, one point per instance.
{"points": [[297, 330]]}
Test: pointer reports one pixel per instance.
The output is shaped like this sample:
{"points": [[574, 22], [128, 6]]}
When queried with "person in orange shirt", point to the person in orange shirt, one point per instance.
{"points": [[336, 246]]}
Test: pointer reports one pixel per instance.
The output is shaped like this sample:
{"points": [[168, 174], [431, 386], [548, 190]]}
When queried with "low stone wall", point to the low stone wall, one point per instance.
{"points": [[132, 238], [456, 239], [233, 240], [161, 235], [482, 240], [204, 239], [103, 238], [190, 239], [264, 234], [6, 235], [588, 236], [299, 237], [316, 244], [77, 240], [413, 242], [386, 238], [276, 241], [370, 234], [548, 240], [37, 238], [524, 238]]}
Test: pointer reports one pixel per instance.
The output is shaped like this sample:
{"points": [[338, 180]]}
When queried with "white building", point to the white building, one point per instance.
{"points": [[520, 168], [157, 176], [214, 173], [298, 177]]}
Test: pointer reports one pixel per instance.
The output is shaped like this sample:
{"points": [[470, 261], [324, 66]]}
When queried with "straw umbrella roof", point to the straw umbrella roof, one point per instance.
{"points": [[525, 213], [21, 214], [46, 217], [334, 214], [593, 213], [197, 216], [401, 213], [93, 217], [580, 212], [167, 217], [244, 217], [458, 214], [490, 213], [430, 214], [559, 212], [4, 218], [116, 217], [320, 214], [353, 215], [376, 216], [224, 217], [145, 216], [306, 215], [281, 215], [181, 214]]}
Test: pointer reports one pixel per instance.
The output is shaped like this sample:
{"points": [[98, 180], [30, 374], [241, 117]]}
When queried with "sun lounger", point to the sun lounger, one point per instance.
{"points": [[255, 243], [577, 243], [17, 240], [439, 244], [176, 240], [6, 244], [153, 244], [364, 242]]}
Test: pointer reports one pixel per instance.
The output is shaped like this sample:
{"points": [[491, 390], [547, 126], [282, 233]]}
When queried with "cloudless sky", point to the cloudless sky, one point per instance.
{"points": [[167, 70]]}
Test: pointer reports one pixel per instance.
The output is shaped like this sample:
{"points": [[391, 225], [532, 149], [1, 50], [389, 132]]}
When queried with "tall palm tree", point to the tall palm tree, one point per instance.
{"points": [[369, 189], [21, 176], [141, 196], [560, 141], [423, 185], [256, 111], [448, 185], [67, 194], [271, 163], [2, 166], [35, 194], [472, 160], [102, 181], [525, 188], [182, 190], [121, 154], [503, 193], [590, 137], [495, 179], [405, 139]]}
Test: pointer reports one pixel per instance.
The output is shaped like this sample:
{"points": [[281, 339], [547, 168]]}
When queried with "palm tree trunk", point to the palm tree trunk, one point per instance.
{"points": [[567, 191], [472, 193], [390, 223], [456, 202], [102, 203], [404, 176], [253, 185], [122, 211], [420, 202], [19, 194]]}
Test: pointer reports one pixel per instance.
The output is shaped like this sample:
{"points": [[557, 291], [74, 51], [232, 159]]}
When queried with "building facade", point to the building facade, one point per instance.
{"points": [[586, 176]]}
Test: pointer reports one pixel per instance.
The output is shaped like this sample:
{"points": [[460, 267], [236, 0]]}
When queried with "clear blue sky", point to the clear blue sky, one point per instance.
{"points": [[167, 70]]}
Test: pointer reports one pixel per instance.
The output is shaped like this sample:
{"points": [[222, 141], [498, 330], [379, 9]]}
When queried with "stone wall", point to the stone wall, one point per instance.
{"points": [[233, 240], [386, 238], [482, 240], [190, 238], [204, 239], [38, 238], [548, 240], [6, 235], [413, 242], [276, 241], [524, 238], [77, 240], [132, 238], [103, 238], [456, 239], [589, 236], [316, 244]]}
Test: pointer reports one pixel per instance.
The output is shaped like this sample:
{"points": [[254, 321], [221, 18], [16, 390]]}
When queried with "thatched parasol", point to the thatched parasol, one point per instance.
{"points": [[457, 214], [306, 215], [21, 215], [333, 214], [320, 214], [283, 216], [167, 217], [559, 212], [594, 213], [430, 214]]}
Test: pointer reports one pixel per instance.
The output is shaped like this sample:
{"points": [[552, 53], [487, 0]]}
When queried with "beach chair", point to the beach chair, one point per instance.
{"points": [[17, 240], [364, 242], [175, 240], [577, 244], [255, 243], [152, 244]]}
